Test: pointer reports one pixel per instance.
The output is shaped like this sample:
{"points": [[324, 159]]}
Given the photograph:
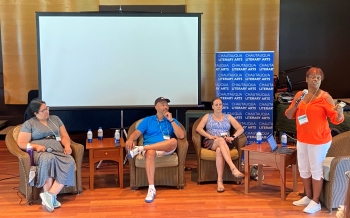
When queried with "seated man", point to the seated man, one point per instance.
{"points": [[158, 132]]}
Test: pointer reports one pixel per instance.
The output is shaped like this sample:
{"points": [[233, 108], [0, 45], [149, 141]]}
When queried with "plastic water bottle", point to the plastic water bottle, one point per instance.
{"points": [[258, 137], [89, 136], [117, 137], [100, 133], [29, 150], [284, 140]]}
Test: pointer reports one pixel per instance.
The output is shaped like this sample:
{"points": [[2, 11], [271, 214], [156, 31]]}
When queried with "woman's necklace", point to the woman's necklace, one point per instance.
{"points": [[217, 117]]}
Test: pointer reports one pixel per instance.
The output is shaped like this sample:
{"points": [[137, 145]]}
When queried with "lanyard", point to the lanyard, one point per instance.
{"points": [[160, 128], [51, 129], [307, 104]]}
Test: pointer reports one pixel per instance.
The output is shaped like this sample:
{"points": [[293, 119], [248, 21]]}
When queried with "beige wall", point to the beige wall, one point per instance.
{"points": [[227, 25]]}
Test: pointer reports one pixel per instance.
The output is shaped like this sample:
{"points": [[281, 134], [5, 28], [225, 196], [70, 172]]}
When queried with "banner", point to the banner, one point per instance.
{"points": [[244, 81]]}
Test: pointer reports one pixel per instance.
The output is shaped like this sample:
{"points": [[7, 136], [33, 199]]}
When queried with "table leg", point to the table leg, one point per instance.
{"points": [[246, 172], [295, 178], [282, 168], [91, 169], [121, 173], [260, 174]]}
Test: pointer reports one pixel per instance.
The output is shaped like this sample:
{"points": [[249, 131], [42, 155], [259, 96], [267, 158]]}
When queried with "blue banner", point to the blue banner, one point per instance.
{"points": [[244, 81]]}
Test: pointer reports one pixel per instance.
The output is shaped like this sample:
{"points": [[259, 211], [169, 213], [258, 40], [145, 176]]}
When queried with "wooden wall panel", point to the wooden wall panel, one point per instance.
{"points": [[18, 29], [142, 2], [234, 25], [227, 25]]}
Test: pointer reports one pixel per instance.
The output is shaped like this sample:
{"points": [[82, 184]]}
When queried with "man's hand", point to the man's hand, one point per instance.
{"points": [[129, 145], [168, 115]]}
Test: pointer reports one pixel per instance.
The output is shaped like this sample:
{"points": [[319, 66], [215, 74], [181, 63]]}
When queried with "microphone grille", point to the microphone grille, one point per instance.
{"points": [[305, 91]]}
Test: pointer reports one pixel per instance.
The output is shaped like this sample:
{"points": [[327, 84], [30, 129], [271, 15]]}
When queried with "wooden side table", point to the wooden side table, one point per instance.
{"points": [[261, 154], [105, 150]]}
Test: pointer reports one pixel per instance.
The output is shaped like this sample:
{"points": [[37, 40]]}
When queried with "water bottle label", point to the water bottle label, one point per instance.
{"points": [[100, 137], [89, 140], [117, 142]]}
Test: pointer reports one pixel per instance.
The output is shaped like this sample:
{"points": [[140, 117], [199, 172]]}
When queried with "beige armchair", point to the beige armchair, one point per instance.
{"points": [[206, 164], [32, 193], [169, 169], [336, 164]]}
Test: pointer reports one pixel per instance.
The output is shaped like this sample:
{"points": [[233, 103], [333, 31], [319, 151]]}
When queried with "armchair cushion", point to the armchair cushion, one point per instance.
{"points": [[211, 155], [326, 167], [164, 161]]}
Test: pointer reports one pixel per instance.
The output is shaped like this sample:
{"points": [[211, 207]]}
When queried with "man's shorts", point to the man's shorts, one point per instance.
{"points": [[161, 153]]}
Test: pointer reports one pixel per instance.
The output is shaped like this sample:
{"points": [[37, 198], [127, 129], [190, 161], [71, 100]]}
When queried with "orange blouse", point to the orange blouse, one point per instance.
{"points": [[316, 130]]}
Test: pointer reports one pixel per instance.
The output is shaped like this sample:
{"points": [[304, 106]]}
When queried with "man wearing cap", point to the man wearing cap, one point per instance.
{"points": [[158, 132]]}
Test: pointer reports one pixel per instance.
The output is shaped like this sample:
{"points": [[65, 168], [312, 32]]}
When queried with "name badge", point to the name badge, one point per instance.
{"points": [[166, 137], [58, 138], [302, 119]]}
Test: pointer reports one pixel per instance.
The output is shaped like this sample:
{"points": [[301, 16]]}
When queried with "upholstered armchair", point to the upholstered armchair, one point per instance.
{"points": [[169, 169], [206, 164], [334, 167], [32, 193]]}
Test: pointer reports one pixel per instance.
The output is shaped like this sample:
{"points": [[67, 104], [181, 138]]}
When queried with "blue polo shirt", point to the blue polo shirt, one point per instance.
{"points": [[153, 131]]}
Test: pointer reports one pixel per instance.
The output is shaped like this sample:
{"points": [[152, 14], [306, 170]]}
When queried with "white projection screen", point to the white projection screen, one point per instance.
{"points": [[96, 60]]}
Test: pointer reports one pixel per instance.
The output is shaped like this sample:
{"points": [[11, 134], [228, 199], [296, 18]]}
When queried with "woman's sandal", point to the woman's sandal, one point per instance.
{"points": [[220, 188], [236, 173]]}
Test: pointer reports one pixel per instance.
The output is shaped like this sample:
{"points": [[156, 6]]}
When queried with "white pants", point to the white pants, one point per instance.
{"points": [[310, 159]]}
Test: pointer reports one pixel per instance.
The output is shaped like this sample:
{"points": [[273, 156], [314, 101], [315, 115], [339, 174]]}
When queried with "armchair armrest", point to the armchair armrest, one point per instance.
{"points": [[182, 147], [239, 143], [78, 154], [338, 166], [197, 142], [22, 156]]}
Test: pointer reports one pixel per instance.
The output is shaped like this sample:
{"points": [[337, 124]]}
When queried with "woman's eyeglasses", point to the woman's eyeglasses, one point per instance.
{"points": [[44, 110]]}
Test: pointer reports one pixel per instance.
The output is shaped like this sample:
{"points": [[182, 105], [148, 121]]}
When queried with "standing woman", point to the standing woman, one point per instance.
{"points": [[218, 124], [52, 152], [313, 135]]}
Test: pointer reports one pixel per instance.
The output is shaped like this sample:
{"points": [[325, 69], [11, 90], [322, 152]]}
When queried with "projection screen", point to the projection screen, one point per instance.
{"points": [[96, 60]]}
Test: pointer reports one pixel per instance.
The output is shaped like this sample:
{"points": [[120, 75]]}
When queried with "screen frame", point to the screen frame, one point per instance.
{"points": [[104, 14]]}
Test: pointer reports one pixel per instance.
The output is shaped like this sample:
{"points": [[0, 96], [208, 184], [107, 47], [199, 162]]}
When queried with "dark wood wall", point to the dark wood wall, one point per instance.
{"points": [[317, 32]]}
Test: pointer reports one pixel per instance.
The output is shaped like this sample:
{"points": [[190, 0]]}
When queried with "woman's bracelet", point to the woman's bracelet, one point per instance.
{"points": [[340, 117]]}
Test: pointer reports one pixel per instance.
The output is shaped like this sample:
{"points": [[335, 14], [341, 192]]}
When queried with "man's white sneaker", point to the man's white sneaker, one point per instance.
{"points": [[132, 153], [312, 207], [302, 202], [150, 195]]}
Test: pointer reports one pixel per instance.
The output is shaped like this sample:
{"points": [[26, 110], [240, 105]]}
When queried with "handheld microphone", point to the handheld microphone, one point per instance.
{"points": [[305, 91]]}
